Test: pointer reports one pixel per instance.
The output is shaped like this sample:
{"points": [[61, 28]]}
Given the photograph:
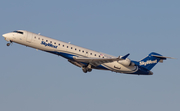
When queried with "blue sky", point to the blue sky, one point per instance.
{"points": [[36, 80]]}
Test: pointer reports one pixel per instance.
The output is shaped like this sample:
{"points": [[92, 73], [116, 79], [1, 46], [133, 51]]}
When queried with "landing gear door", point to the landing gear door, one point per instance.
{"points": [[29, 37]]}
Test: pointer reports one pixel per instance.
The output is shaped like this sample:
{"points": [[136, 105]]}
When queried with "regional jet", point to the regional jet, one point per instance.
{"points": [[85, 58]]}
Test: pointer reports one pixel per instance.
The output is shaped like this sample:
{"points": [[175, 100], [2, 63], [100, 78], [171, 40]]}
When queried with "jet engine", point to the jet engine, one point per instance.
{"points": [[126, 62]]}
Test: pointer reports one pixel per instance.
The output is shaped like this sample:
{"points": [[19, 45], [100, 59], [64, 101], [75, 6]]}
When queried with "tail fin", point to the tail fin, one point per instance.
{"points": [[151, 60]]}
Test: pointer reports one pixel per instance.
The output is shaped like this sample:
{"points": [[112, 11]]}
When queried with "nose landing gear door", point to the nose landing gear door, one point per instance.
{"points": [[29, 37]]}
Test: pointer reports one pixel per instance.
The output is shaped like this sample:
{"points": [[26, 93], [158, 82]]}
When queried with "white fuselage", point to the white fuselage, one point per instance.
{"points": [[64, 49]]}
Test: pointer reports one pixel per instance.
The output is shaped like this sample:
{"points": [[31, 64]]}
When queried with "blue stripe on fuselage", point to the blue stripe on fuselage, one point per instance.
{"points": [[141, 71], [70, 56]]}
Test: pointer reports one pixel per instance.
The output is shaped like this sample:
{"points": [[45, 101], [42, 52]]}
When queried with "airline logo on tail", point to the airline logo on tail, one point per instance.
{"points": [[147, 62]]}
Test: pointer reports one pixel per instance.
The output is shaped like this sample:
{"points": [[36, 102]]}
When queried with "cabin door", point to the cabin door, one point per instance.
{"points": [[29, 37]]}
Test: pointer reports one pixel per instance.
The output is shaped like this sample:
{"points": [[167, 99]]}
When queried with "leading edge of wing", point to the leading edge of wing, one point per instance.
{"points": [[91, 60], [98, 61]]}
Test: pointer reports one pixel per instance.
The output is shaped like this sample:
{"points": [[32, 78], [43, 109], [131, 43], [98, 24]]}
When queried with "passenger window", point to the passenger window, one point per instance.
{"points": [[59, 44], [71, 48], [54, 42], [86, 52], [39, 38], [67, 46], [63, 45], [35, 37], [46, 40], [94, 54], [91, 53], [50, 41], [79, 50], [83, 51], [42, 39], [75, 49]]}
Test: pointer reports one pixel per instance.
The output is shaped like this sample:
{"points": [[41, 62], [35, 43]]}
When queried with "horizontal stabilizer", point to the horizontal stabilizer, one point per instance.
{"points": [[163, 57]]}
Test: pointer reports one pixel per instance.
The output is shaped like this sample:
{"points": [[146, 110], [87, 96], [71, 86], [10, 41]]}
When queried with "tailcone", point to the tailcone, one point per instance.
{"points": [[150, 73]]}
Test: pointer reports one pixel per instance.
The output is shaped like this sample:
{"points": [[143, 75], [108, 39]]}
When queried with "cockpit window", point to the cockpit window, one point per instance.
{"points": [[18, 32]]}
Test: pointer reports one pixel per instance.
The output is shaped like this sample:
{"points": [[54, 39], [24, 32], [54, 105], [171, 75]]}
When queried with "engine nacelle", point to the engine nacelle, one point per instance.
{"points": [[126, 62]]}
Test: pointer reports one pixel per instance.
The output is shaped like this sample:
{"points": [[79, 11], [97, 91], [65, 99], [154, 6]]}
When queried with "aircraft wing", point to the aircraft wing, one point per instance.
{"points": [[96, 61]]}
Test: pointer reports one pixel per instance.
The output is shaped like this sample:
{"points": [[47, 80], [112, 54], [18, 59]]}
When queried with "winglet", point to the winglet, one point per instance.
{"points": [[124, 57]]}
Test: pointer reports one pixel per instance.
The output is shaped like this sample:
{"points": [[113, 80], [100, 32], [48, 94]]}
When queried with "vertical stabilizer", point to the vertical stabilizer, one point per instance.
{"points": [[150, 61]]}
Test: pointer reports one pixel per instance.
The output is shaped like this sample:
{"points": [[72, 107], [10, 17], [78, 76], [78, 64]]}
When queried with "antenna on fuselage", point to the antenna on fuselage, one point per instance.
{"points": [[39, 33]]}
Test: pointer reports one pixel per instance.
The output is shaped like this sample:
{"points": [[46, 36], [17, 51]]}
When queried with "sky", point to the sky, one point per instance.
{"points": [[32, 80]]}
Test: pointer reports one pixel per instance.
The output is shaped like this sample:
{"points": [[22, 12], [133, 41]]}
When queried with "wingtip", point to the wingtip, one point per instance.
{"points": [[124, 57]]}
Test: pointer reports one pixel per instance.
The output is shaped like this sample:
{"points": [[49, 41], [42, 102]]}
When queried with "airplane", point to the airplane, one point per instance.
{"points": [[85, 58]]}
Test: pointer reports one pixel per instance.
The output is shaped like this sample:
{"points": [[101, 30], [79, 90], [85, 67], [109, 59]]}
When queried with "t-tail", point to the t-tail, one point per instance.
{"points": [[151, 60]]}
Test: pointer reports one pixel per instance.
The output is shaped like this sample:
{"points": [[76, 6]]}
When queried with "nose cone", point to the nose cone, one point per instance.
{"points": [[5, 35]]}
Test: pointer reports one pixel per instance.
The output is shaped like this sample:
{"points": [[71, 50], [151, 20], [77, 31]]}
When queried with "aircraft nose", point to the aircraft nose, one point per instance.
{"points": [[4, 35]]}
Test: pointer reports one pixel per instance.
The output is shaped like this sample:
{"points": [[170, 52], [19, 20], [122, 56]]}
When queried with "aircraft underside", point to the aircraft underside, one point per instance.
{"points": [[85, 58]]}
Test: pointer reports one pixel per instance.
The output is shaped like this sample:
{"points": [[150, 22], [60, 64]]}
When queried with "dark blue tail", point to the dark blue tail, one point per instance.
{"points": [[150, 61]]}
